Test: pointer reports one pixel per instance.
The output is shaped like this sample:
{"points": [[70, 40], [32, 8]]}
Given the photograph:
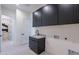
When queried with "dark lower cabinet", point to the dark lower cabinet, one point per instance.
{"points": [[37, 45]]}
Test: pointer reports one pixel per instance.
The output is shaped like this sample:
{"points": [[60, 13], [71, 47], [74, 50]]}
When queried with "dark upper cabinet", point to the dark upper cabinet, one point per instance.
{"points": [[49, 15], [45, 16], [65, 14], [76, 13], [37, 18], [56, 14]]}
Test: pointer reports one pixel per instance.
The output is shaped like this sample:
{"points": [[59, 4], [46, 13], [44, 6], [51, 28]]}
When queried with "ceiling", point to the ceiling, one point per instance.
{"points": [[29, 7], [9, 6], [24, 7]]}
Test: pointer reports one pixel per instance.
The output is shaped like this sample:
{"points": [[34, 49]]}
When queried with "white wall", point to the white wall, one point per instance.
{"points": [[61, 46], [23, 26]]}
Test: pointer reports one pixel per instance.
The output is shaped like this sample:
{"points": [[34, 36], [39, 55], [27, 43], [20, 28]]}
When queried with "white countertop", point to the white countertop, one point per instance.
{"points": [[38, 36]]}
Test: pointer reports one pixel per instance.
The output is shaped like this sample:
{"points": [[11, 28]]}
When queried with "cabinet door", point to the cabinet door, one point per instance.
{"points": [[33, 44], [41, 45], [49, 16], [65, 14], [37, 18], [76, 13]]}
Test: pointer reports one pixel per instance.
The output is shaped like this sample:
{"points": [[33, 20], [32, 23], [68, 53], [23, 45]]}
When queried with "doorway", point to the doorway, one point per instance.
{"points": [[8, 13], [6, 30]]}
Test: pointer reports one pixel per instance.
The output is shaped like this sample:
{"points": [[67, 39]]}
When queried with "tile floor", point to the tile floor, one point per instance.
{"points": [[17, 50]]}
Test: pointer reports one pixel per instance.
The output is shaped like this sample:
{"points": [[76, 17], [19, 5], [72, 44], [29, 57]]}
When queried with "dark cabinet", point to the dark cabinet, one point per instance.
{"points": [[37, 18], [56, 14], [65, 13], [49, 16], [45, 16], [33, 44], [76, 13], [37, 44]]}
